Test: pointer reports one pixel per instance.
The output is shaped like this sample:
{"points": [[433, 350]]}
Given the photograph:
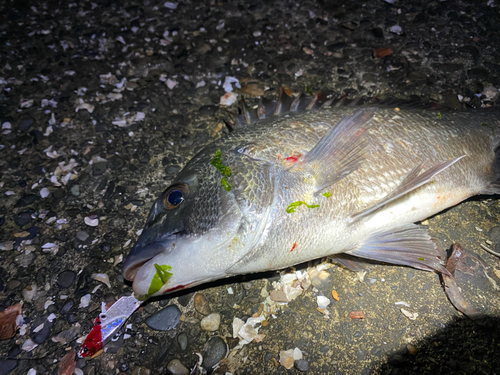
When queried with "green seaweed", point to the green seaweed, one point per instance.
{"points": [[292, 206], [224, 170], [419, 258], [327, 194], [159, 279], [439, 114]]}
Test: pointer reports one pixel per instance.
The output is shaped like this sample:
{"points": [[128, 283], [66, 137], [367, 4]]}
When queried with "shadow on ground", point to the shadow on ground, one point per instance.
{"points": [[464, 346]]}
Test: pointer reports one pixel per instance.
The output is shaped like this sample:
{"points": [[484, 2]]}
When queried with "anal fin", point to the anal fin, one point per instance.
{"points": [[350, 262], [414, 179], [407, 245]]}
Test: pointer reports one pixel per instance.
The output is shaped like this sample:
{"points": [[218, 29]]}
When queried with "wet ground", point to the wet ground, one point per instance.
{"points": [[102, 103]]}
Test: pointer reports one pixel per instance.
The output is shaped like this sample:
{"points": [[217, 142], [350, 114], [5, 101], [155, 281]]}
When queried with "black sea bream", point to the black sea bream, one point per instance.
{"points": [[304, 185]]}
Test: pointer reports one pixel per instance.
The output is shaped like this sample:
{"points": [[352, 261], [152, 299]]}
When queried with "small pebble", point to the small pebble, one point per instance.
{"points": [[82, 235], [23, 218], [165, 319], [411, 349], [302, 365], [201, 304], [182, 339], [75, 190], [26, 124], [215, 351], [99, 168], [66, 279], [360, 355], [114, 345], [177, 368], [211, 322], [42, 335], [26, 200], [140, 370]]}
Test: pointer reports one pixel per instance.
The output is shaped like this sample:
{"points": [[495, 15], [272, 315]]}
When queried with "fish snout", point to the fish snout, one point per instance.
{"points": [[139, 256]]}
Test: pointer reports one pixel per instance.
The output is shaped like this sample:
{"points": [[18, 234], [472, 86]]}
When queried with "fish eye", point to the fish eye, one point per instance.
{"points": [[175, 195]]}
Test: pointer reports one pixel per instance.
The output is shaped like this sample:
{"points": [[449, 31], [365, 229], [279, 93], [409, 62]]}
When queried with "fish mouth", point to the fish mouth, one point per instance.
{"points": [[139, 256]]}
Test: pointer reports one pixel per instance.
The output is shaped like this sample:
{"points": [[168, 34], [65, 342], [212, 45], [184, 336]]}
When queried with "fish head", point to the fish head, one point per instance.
{"points": [[197, 229]]}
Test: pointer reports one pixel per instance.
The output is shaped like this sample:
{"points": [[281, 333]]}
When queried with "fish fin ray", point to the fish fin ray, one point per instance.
{"points": [[249, 114], [407, 245], [493, 188], [350, 262], [411, 181], [341, 150], [284, 102]]}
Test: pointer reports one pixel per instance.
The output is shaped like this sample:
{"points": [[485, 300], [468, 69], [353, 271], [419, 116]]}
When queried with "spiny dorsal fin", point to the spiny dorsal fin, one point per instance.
{"points": [[287, 103]]}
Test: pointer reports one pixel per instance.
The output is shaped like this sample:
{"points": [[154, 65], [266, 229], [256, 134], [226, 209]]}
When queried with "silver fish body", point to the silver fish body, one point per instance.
{"points": [[307, 185]]}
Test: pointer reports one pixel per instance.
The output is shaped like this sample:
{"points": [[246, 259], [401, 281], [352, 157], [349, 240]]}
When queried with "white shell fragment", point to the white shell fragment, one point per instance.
{"points": [[322, 302], [247, 332], [409, 315], [39, 328], [50, 247], [297, 354], [396, 29], [44, 193], [228, 99], [118, 259], [103, 278], [80, 104], [171, 83], [6, 246], [170, 5], [84, 301], [91, 221], [29, 292], [27, 103], [51, 317], [286, 358], [237, 324], [28, 346], [227, 86]]}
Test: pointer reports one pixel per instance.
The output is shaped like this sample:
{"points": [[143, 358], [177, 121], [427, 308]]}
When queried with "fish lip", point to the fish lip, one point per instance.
{"points": [[138, 256]]}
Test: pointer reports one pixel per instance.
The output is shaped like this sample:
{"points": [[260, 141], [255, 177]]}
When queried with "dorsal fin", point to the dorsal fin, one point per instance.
{"points": [[286, 103]]}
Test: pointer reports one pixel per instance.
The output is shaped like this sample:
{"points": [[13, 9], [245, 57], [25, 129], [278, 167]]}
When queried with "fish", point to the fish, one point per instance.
{"points": [[298, 180]]}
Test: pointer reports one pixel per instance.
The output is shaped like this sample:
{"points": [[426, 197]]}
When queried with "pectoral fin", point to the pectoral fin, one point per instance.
{"points": [[341, 151], [412, 181], [407, 245]]}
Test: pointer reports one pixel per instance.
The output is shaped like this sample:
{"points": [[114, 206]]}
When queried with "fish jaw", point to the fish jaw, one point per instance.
{"points": [[138, 256], [179, 272]]}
